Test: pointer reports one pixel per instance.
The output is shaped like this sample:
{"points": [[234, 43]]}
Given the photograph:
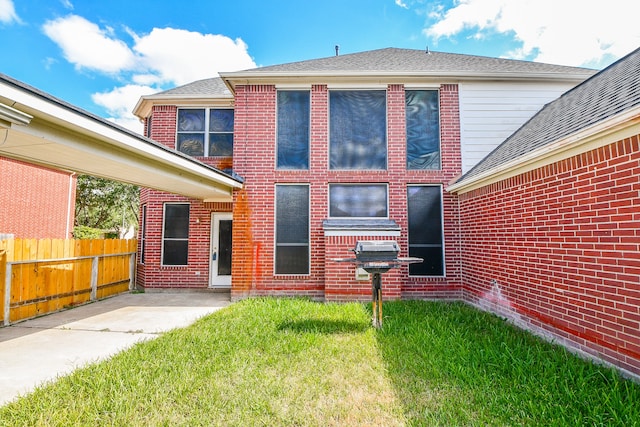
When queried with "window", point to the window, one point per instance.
{"points": [[175, 234], [192, 139], [292, 229], [358, 129], [143, 233], [425, 230], [358, 201], [423, 129], [293, 129]]}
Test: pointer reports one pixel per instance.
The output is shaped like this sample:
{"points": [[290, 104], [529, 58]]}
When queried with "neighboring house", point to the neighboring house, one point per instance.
{"points": [[36, 202], [331, 151], [550, 220]]}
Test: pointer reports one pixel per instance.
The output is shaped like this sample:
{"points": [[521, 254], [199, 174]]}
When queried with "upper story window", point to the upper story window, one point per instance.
{"points": [[358, 201], [205, 132], [358, 129], [293, 129], [423, 129]]}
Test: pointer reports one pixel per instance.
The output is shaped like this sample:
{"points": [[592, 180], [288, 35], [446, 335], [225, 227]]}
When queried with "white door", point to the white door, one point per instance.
{"points": [[220, 251]]}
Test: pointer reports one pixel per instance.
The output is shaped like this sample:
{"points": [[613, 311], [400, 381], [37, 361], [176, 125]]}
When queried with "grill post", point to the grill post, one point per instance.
{"points": [[376, 289], [377, 257]]}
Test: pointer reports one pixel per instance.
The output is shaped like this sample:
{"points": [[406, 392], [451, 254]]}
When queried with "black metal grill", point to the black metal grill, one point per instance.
{"points": [[377, 257]]}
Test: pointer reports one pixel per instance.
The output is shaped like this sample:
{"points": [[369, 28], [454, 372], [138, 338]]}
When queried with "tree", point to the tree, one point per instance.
{"points": [[106, 205]]}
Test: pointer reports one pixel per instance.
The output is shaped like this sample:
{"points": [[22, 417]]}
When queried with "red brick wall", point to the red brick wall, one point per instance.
{"points": [[152, 274], [253, 274], [557, 250], [34, 201]]}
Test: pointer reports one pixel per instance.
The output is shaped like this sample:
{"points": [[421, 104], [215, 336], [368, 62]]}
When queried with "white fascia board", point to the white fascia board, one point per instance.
{"points": [[71, 120], [599, 135]]}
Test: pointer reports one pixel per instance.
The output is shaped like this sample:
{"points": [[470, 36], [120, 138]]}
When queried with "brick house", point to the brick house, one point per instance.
{"points": [[550, 220], [47, 195], [331, 151], [520, 189]]}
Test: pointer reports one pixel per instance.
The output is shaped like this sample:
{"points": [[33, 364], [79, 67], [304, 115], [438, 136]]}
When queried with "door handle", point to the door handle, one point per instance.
{"points": [[214, 254]]}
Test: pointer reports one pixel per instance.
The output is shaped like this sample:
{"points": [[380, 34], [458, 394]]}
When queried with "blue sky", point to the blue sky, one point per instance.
{"points": [[103, 55]]}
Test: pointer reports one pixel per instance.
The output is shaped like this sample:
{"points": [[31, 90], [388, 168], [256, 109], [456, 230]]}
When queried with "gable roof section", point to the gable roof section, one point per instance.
{"points": [[594, 112], [406, 64], [201, 93], [38, 128]]}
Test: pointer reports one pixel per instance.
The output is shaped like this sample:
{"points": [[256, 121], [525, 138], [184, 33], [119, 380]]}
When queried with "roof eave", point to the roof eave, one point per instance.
{"points": [[257, 77], [614, 129], [146, 103]]}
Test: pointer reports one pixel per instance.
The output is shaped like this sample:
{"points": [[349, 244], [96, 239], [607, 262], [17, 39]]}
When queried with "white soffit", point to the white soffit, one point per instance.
{"points": [[63, 137]]}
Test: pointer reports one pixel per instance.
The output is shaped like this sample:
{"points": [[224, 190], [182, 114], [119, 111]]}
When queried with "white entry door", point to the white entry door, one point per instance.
{"points": [[220, 251]]}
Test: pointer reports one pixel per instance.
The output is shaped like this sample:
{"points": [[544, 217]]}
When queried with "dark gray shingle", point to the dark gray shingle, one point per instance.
{"points": [[412, 60]]}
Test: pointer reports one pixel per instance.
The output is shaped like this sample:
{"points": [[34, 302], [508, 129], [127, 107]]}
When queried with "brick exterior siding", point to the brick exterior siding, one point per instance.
{"points": [[35, 201], [152, 274], [557, 250], [253, 273]]}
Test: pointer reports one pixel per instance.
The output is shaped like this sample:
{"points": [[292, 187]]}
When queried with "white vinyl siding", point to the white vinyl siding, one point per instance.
{"points": [[491, 112]]}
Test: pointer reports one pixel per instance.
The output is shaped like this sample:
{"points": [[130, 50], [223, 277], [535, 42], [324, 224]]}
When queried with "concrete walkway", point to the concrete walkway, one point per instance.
{"points": [[41, 349]]}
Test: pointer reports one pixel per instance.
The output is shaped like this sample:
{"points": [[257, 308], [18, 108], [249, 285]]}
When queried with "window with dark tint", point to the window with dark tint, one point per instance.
{"points": [[425, 230], [358, 129], [292, 229], [220, 133], [143, 234], [358, 200], [293, 129], [423, 129], [191, 131], [175, 234], [205, 132]]}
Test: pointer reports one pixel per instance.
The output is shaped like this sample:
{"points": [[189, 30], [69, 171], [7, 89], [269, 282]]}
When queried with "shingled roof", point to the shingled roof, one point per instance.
{"points": [[212, 87], [399, 60], [612, 91]]}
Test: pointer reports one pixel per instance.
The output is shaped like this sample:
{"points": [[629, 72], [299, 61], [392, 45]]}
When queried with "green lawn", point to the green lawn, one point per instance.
{"points": [[270, 362]]}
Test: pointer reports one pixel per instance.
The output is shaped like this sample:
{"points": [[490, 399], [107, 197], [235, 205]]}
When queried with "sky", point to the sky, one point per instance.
{"points": [[103, 55]]}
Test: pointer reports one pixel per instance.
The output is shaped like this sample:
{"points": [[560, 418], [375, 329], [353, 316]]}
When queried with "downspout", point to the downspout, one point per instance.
{"points": [[69, 204]]}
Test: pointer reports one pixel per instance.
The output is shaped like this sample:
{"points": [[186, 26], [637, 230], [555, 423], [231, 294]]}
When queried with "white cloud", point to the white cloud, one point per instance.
{"points": [[148, 63], [402, 4], [8, 12], [86, 45], [182, 56], [120, 101], [571, 32]]}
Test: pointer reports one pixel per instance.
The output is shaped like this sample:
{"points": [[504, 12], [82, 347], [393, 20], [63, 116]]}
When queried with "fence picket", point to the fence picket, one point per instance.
{"points": [[51, 274]]}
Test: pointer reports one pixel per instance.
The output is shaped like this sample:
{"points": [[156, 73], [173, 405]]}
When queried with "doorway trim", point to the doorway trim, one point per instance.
{"points": [[216, 281]]}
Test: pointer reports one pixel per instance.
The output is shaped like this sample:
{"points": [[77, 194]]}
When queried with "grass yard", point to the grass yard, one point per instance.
{"points": [[292, 362]]}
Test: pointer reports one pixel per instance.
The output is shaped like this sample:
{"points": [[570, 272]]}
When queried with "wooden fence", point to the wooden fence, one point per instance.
{"points": [[43, 276]]}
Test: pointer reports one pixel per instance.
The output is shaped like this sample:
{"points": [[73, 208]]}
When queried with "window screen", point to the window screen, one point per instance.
{"points": [[221, 133], [293, 129], [358, 201], [175, 234], [358, 129], [205, 132], [423, 129], [292, 229], [425, 230]]}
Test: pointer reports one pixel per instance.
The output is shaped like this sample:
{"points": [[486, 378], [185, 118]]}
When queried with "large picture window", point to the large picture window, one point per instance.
{"points": [[293, 129], [175, 234], [423, 129], [292, 229], [205, 132], [358, 129], [358, 201], [425, 230]]}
